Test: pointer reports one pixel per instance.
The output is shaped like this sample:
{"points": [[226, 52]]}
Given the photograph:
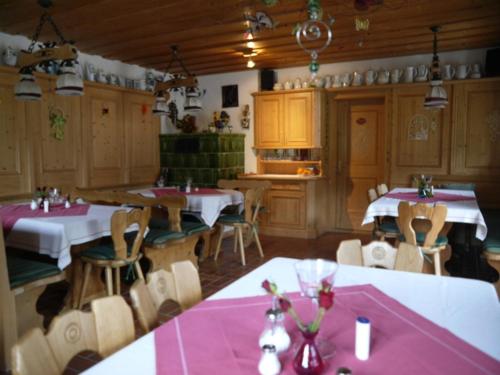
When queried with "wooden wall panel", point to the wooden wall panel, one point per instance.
{"points": [[142, 134], [15, 154]]}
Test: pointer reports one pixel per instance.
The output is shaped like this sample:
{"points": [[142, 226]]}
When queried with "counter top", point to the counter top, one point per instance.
{"points": [[289, 177]]}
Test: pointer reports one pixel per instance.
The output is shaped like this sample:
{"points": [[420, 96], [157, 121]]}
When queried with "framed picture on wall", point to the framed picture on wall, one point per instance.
{"points": [[229, 96]]}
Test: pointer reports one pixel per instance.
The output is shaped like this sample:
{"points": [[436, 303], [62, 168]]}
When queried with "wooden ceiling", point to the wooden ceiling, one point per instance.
{"points": [[210, 33]]}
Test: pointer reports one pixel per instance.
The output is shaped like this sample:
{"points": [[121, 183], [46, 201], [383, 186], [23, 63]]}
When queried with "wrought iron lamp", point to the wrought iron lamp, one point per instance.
{"points": [[436, 96], [311, 31], [68, 82]]}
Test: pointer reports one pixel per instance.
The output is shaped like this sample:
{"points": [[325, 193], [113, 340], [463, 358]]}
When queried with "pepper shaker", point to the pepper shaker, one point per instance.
{"points": [[269, 363]]}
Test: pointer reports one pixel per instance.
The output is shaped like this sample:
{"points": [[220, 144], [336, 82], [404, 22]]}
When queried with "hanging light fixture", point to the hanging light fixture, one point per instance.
{"points": [[311, 31], [436, 96], [186, 82], [68, 82]]}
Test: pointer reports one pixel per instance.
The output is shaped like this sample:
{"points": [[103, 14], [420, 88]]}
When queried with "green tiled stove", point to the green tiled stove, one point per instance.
{"points": [[205, 157]]}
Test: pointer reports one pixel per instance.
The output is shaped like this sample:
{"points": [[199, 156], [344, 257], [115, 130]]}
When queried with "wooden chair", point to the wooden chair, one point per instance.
{"points": [[421, 225], [381, 254], [382, 189], [119, 253], [22, 281], [108, 327], [181, 285], [383, 227], [247, 221]]}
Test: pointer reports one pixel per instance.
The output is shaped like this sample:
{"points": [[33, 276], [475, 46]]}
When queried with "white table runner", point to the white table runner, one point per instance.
{"points": [[458, 211]]}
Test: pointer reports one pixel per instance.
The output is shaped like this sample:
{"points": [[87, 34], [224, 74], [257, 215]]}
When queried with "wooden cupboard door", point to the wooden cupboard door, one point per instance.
{"points": [[268, 121], [142, 134], [476, 135], [420, 136], [298, 119], [58, 162], [287, 209], [361, 160], [15, 174], [103, 121]]}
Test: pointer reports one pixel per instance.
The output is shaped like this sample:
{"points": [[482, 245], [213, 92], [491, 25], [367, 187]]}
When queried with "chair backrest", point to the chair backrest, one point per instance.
{"points": [[382, 189], [407, 213], [120, 221], [181, 285], [381, 254], [114, 324], [108, 327], [372, 195]]}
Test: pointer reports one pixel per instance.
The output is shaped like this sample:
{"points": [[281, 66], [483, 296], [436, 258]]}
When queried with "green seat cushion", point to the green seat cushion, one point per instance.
{"points": [[191, 227], [440, 240], [23, 271], [458, 186], [103, 252], [389, 226], [492, 245], [160, 236], [231, 219]]}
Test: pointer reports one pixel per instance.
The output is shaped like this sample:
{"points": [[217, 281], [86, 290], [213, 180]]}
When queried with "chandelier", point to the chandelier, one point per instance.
{"points": [[185, 82], [312, 30], [436, 96], [62, 54]]}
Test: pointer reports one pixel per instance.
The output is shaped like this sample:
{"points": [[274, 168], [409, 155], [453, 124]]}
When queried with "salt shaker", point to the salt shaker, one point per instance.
{"points": [[67, 204], [33, 205], [269, 363], [45, 206], [275, 333], [362, 342]]}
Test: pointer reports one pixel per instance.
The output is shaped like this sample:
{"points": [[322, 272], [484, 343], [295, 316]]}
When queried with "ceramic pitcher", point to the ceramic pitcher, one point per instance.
{"points": [[462, 71], [396, 75], [422, 72], [410, 74], [370, 77], [448, 72], [337, 81], [10, 56], [383, 77], [346, 79], [357, 79], [475, 71]]}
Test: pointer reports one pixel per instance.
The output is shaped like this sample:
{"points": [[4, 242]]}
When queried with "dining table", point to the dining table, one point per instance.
{"points": [[419, 324], [208, 203]]}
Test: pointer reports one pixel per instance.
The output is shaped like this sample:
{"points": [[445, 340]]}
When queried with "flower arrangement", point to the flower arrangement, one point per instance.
{"points": [[325, 301], [424, 186]]}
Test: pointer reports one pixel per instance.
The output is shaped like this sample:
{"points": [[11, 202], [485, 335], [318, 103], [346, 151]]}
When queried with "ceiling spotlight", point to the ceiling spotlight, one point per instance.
{"points": [[250, 44], [248, 34], [250, 64]]}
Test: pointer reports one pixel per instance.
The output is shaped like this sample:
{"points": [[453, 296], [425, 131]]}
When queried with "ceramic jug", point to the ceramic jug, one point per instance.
{"points": [[9, 56], [370, 77], [383, 77], [297, 84], [346, 79], [319, 82], [328, 82], [357, 79], [462, 71], [337, 81], [422, 72], [396, 75], [448, 72], [288, 85], [476, 71], [410, 73]]}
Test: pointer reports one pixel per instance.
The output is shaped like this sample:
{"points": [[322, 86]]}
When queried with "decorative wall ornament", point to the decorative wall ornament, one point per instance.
{"points": [[418, 128], [493, 123], [245, 117], [57, 120]]}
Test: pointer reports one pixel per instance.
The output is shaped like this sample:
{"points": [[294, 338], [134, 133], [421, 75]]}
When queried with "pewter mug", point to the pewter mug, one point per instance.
{"points": [[410, 73]]}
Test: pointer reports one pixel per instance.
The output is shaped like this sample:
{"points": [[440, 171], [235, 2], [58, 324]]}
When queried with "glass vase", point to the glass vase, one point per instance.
{"points": [[308, 360]]}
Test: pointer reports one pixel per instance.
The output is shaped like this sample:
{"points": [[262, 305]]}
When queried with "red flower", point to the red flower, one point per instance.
{"points": [[325, 285], [269, 286], [325, 299], [285, 304]]}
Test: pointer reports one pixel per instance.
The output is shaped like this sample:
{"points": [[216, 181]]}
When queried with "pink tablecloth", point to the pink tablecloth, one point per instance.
{"points": [[10, 214], [221, 337], [172, 191], [438, 197]]}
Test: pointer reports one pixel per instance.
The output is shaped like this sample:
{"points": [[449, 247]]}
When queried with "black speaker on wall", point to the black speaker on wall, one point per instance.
{"points": [[267, 79], [492, 68]]}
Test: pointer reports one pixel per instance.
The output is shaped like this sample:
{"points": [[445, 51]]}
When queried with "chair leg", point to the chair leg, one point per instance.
{"points": [[239, 231], [86, 274], [257, 241], [235, 243], [219, 241], [138, 269], [437, 263], [109, 281], [117, 281]]}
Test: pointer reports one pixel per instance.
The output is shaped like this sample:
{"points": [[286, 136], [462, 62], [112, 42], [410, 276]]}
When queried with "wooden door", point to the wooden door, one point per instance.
{"points": [[58, 158], [476, 135], [268, 121], [15, 173], [142, 134], [298, 122], [105, 133], [361, 159]]}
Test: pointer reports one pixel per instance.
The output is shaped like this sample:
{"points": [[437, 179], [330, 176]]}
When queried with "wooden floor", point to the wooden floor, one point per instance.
{"points": [[214, 276]]}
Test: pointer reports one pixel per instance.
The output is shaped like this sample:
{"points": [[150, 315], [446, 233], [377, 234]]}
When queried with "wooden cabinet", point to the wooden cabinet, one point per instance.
{"points": [[15, 154], [288, 120], [476, 135], [286, 205]]}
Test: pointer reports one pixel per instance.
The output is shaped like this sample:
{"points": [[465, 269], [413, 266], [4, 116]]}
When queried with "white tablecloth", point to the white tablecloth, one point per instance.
{"points": [[458, 211], [54, 236], [208, 205], [468, 308]]}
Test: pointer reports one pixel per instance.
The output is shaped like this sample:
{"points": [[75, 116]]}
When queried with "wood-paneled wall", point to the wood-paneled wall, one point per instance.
{"points": [[110, 138]]}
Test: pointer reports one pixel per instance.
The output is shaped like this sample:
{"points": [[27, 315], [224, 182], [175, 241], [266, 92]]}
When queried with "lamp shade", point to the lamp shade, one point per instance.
{"points": [[68, 83], [436, 96], [27, 88], [160, 108]]}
